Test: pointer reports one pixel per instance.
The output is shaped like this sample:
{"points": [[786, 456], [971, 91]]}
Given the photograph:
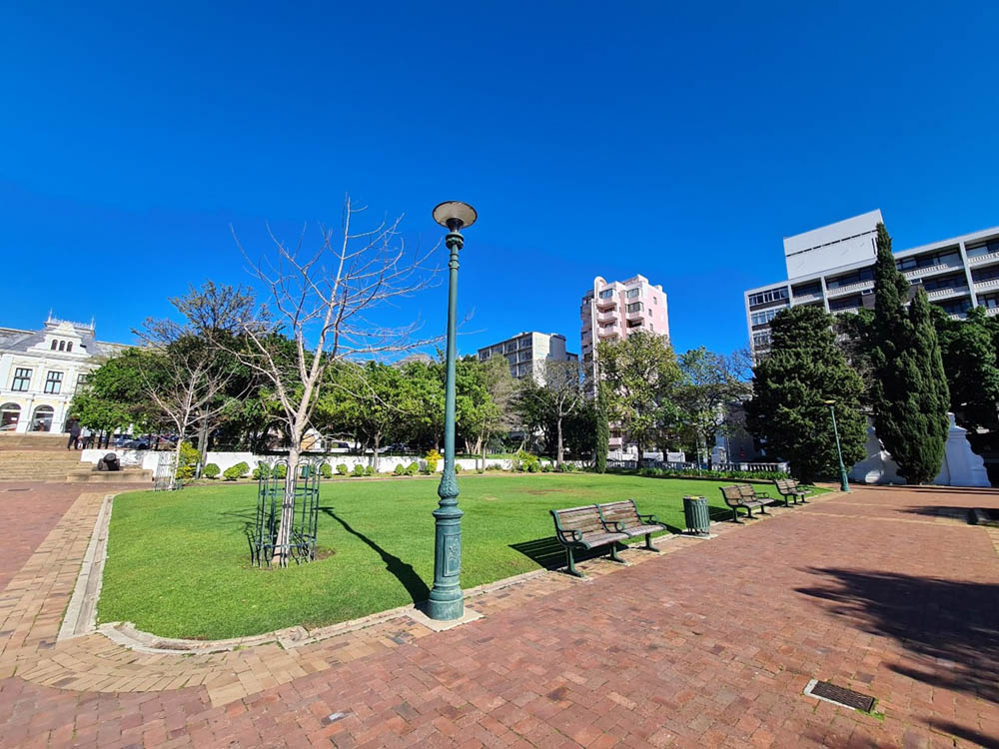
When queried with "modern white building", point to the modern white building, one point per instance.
{"points": [[833, 266], [526, 351], [41, 370]]}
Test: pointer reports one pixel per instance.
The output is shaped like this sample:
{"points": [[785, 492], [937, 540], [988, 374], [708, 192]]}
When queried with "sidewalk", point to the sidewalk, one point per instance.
{"points": [[885, 591]]}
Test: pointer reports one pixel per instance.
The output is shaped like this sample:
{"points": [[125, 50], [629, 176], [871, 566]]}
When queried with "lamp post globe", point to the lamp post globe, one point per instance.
{"points": [[446, 600], [844, 484]]}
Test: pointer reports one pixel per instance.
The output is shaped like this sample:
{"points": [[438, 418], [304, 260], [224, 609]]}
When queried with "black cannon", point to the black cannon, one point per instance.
{"points": [[109, 462]]}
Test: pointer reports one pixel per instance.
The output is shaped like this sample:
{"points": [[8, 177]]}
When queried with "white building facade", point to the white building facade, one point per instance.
{"points": [[833, 267], [527, 351], [41, 370]]}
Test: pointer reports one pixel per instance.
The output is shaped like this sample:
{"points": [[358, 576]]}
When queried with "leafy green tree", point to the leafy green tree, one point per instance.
{"points": [[709, 383], [114, 396], [968, 349], [602, 433], [551, 403], [805, 368], [640, 375], [909, 391], [485, 393]]}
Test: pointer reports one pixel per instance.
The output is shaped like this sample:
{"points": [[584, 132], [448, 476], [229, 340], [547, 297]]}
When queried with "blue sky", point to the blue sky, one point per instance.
{"points": [[677, 141]]}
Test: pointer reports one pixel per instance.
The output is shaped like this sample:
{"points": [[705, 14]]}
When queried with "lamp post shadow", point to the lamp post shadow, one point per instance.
{"points": [[399, 569]]}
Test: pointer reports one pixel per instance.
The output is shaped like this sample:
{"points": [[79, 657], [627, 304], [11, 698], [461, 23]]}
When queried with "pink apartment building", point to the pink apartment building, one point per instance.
{"points": [[615, 309]]}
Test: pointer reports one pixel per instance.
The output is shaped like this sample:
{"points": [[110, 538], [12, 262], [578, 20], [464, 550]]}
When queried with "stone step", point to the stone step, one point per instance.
{"points": [[124, 476]]}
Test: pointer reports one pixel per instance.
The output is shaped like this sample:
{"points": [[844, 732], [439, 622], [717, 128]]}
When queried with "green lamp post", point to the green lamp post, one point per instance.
{"points": [[843, 484], [446, 599]]}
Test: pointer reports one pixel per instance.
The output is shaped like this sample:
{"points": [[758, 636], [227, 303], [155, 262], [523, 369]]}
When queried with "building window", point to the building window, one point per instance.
{"points": [[864, 274], [947, 257], [10, 414], [69, 346], [946, 282], [41, 420], [606, 293], [764, 317], [635, 307], [985, 274], [984, 249], [957, 307], [511, 346], [989, 302], [53, 383], [81, 380], [848, 302], [761, 340], [525, 355], [632, 293], [525, 342], [55, 344], [768, 296], [22, 380]]}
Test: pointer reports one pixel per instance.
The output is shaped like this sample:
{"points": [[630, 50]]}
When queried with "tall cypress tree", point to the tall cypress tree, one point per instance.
{"points": [[909, 394], [805, 368]]}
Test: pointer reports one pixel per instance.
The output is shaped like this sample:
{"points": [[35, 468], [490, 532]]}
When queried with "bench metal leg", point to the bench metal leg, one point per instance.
{"points": [[613, 553], [648, 543], [735, 515], [749, 513], [571, 563], [763, 510]]}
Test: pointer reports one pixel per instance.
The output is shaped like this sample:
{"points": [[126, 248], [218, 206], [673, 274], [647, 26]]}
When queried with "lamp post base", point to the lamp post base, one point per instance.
{"points": [[446, 600]]}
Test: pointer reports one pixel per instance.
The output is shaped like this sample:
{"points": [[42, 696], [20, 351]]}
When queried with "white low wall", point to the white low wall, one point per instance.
{"points": [[150, 459]]}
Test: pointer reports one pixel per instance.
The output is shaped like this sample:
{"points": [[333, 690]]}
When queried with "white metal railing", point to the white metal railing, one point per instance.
{"points": [[983, 258], [850, 288], [992, 311], [782, 467], [943, 293], [802, 298], [989, 284], [931, 269]]}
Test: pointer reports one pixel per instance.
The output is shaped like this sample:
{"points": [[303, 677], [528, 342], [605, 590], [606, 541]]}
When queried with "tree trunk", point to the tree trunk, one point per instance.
{"points": [[558, 443], [374, 451], [638, 464], [484, 450], [283, 542], [176, 461]]}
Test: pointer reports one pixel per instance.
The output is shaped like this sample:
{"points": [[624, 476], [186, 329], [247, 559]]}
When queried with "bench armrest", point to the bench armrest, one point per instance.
{"points": [[614, 526], [569, 536], [649, 519]]}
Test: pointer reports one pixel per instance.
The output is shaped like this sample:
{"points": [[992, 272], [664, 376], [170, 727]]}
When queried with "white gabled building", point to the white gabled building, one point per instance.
{"points": [[40, 371]]}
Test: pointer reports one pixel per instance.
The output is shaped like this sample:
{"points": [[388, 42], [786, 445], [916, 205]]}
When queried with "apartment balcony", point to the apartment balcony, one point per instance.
{"points": [[806, 298], [636, 315], [605, 304], [992, 311], [992, 283], [992, 257], [607, 318], [609, 333], [932, 270], [951, 292], [850, 288]]}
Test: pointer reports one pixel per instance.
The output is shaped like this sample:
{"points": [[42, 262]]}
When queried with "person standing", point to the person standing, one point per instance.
{"points": [[74, 435]]}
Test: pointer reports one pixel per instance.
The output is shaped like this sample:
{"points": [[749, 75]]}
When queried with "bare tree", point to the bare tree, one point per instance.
{"points": [[321, 300]]}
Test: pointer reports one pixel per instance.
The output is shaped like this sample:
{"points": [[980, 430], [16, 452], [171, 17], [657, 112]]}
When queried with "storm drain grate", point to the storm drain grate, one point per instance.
{"points": [[840, 695]]}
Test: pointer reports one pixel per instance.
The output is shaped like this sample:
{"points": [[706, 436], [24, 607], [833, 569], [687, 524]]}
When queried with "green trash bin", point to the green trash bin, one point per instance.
{"points": [[695, 514]]}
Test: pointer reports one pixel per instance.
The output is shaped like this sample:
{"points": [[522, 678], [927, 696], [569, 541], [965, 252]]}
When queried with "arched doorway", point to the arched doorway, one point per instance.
{"points": [[10, 414], [41, 419]]}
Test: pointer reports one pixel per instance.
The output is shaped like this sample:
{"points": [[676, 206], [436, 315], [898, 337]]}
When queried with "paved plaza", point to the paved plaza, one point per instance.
{"points": [[886, 591]]}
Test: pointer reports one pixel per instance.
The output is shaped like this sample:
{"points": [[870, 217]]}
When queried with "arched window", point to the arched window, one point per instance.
{"points": [[69, 345], [41, 419], [62, 345], [54, 344], [10, 414]]}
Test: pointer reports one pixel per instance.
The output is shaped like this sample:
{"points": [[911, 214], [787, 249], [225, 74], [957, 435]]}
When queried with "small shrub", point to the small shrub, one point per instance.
{"points": [[280, 471], [480, 470], [457, 468], [400, 469], [262, 471], [369, 470], [494, 467], [211, 471], [546, 468], [358, 470], [412, 469], [187, 462], [326, 471], [235, 472], [433, 458], [341, 469], [526, 461]]}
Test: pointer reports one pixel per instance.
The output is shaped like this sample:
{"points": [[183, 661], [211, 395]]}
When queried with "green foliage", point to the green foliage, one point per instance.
{"points": [[412, 469], [971, 360], [114, 395], [280, 471], [236, 472], [369, 470], [709, 382], [211, 471], [432, 458], [326, 471], [910, 397], [602, 439], [666, 473], [457, 468], [263, 470], [399, 469], [805, 367], [341, 469], [558, 408], [546, 467], [570, 467], [358, 470], [187, 461], [526, 461], [640, 376]]}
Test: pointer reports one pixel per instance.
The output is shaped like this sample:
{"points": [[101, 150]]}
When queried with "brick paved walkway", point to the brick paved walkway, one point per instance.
{"points": [[885, 591]]}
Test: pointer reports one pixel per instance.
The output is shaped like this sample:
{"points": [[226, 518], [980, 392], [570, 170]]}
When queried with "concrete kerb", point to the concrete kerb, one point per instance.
{"points": [[81, 614]]}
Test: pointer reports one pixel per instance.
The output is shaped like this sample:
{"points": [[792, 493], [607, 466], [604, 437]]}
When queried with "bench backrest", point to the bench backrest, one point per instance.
{"points": [[624, 512], [584, 519], [747, 491], [784, 486], [731, 494]]}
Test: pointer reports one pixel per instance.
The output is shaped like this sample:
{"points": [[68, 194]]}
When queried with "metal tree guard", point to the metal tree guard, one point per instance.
{"points": [[305, 512]]}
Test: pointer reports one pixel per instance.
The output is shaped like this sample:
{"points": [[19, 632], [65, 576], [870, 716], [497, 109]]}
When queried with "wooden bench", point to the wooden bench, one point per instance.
{"points": [[623, 517], [736, 496], [583, 528], [789, 490]]}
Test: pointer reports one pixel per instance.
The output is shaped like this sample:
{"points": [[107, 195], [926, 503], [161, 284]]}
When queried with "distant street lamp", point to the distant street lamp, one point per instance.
{"points": [[843, 484], [446, 599]]}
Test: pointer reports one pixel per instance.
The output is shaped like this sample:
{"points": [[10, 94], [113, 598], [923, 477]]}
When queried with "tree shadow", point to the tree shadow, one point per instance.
{"points": [[550, 554], [402, 571], [951, 627], [939, 511], [968, 734]]}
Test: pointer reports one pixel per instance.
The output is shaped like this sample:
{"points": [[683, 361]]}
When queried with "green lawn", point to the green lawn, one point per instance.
{"points": [[178, 562]]}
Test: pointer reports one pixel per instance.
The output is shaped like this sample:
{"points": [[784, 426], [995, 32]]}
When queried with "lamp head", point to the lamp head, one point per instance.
{"points": [[455, 215], [829, 402]]}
